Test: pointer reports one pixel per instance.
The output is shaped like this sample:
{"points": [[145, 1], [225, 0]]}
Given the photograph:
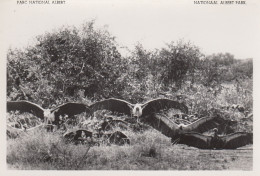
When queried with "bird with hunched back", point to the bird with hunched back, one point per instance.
{"points": [[79, 136], [230, 141], [117, 138], [82, 136], [109, 123], [13, 132]]}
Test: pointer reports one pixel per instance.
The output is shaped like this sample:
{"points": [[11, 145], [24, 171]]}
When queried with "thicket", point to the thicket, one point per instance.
{"points": [[84, 64]]}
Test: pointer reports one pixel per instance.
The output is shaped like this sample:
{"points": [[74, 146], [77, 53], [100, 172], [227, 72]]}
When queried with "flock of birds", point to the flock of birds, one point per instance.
{"points": [[147, 113]]}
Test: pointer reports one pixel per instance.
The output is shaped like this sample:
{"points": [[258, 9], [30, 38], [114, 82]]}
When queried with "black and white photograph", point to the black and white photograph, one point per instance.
{"points": [[129, 86]]}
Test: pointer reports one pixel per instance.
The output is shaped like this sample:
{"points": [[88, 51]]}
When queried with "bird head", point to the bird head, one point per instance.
{"points": [[234, 106], [99, 128], [89, 139], [83, 134], [137, 110], [181, 126], [215, 130], [25, 127], [48, 116], [109, 119]]}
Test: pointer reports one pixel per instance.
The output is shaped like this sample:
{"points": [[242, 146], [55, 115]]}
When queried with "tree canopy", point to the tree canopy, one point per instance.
{"points": [[84, 63]]}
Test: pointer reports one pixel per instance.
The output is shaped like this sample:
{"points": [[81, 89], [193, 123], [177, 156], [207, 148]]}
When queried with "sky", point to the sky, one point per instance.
{"points": [[213, 28]]}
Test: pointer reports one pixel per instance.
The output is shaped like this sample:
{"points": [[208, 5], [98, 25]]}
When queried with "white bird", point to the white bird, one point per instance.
{"points": [[138, 110]]}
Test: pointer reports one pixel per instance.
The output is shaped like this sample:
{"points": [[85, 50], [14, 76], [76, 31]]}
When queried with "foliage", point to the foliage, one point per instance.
{"points": [[84, 64], [178, 61], [223, 68], [64, 63]]}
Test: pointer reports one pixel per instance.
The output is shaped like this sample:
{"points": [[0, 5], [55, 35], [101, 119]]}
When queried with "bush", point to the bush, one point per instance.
{"points": [[64, 62]]}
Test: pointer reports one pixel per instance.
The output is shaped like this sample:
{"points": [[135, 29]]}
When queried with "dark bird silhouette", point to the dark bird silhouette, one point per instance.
{"points": [[117, 138], [69, 109], [173, 130], [47, 115], [137, 110], [231, 141], [86, 137], [13, 132], [78, 136], [26, 106], [109, 123]]}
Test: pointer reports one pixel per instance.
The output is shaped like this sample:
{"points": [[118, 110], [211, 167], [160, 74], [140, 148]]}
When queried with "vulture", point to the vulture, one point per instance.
{"points": [[117, 138], [26, 106], [110, 123], [13, 132], [83, 136], [138, 110], [69, 109], [78, 136], [230, 141], [47, 115], [173, 130]]}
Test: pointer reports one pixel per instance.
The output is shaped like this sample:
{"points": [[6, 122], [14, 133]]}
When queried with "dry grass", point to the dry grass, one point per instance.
{"points": [[148, 151]]}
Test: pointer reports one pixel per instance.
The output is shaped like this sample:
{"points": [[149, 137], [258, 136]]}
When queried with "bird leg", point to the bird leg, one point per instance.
{"points": [[138, 120]]}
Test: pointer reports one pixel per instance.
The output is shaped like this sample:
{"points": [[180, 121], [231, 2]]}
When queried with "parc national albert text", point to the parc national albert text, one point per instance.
{"points": [[220, 2], [21, 2]]}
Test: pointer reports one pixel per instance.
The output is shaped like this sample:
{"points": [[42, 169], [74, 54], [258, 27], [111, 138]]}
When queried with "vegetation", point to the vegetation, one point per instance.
{"points": [[84, 65], [148, 150]]}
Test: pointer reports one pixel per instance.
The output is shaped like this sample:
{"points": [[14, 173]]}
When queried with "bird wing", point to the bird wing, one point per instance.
{"points": [[236, 140], [71, 109], [118, 138], [25, 106], [120, 134], [39, 127], [162, 103], [161, 123], [8, 127], [114, 105], [76, 134], [119, 121], [13, 132], [204, 124], [69, 134], [195, 140], [87, 133]]}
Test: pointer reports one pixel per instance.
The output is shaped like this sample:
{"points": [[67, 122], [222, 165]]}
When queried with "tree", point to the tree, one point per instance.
{"points": [[178, 61], [66, 61]]}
